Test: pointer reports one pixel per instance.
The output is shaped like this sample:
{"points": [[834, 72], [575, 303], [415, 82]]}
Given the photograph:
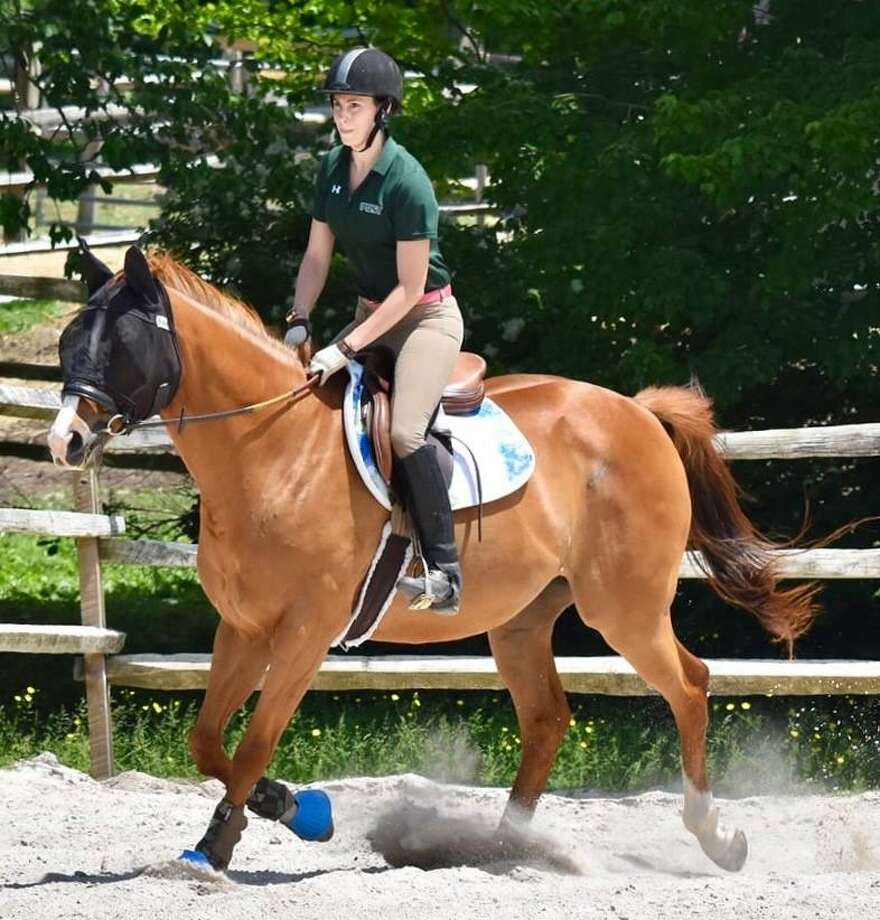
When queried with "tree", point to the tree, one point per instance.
{"points": [[686, 189]]}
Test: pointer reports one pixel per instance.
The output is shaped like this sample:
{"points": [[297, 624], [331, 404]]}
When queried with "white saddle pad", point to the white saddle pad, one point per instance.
{"points": [[505, 458]]}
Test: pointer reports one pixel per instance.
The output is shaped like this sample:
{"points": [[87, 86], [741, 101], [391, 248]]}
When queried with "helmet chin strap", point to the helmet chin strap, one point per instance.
{"points": [[380, 124]]}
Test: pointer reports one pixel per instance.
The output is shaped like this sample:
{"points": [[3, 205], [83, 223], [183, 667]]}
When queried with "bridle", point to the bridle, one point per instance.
{"points": [[122, 423]]}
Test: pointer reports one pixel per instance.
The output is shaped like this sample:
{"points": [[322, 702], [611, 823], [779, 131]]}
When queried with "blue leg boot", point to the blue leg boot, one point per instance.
{"points": [[308, 813]]}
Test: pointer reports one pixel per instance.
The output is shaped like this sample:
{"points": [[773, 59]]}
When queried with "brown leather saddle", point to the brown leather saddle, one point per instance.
{"points": [[463, 395]]}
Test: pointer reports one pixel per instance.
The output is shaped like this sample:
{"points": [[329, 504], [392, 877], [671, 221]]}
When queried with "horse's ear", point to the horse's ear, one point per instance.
{"points": [[95, 273], [139, 276]]}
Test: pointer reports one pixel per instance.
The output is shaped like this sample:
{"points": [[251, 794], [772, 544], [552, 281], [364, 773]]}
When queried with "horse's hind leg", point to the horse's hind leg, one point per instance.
{"points": [[524, 656], [728, 849], [683, 681]]}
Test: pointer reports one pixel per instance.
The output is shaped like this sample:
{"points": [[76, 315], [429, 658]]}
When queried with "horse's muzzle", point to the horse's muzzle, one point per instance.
{"points": [[72, 442]]}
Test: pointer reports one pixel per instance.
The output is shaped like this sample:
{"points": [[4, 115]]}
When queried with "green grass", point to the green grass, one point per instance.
{"points": [[160, 610], [758, 745], [20, 315]]}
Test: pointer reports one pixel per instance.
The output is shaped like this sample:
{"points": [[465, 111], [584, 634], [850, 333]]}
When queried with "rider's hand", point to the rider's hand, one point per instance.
{"points": [[299, 331], [327, 362]]}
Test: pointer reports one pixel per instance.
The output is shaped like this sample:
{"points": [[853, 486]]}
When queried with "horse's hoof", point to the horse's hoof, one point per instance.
{"points": [[197, 858], [313, 819], [733, 856]]}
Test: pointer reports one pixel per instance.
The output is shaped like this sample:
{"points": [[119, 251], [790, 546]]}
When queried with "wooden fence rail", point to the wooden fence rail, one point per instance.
{"points": [[606, 676], [59, 640], [817, 564], [780, 444], [98, 541]]}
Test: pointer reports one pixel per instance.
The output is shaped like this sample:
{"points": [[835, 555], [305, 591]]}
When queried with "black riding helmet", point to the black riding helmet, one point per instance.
{"points": [[368, 72]]}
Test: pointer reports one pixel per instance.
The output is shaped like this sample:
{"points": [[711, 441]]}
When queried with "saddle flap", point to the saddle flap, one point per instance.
{"points": [[496, 461]]}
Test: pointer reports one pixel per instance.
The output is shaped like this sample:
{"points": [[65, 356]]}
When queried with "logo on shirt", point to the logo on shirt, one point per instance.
{"points": [[371, 208], [335, 189]]}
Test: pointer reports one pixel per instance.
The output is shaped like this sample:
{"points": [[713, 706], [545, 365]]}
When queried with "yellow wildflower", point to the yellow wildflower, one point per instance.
{"points": [[316, 732]]}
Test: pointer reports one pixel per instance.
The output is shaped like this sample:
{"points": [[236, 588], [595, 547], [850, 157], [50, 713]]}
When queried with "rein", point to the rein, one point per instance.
{"points": [[183, 419]]}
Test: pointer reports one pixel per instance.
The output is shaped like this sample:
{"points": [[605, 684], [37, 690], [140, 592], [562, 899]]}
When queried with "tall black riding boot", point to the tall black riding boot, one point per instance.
{"points": [[428, 503]]}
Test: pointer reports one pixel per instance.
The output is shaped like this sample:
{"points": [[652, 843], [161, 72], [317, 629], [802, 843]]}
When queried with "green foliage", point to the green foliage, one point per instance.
{"points": [[685, 189], [20, 315]]}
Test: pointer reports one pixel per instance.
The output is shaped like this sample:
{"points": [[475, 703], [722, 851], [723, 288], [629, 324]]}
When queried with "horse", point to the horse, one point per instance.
{"points": [[622, 486]]}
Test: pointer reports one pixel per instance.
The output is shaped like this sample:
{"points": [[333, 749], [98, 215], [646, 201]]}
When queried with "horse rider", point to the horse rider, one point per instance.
{"points": [[376, 200]]}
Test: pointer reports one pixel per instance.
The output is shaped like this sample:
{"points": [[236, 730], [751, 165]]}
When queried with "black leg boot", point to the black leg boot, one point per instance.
{"points": [[428, 502]]}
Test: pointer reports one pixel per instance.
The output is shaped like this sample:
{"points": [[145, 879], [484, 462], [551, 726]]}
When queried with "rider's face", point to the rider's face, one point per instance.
{"points": [[354, 117]]}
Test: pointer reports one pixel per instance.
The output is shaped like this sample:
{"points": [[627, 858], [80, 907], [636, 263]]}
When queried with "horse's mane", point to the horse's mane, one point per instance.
{"points": [[170, 272]]}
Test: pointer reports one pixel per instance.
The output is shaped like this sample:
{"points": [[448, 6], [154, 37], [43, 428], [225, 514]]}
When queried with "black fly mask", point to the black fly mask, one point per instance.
{"points": [[120, 350]]}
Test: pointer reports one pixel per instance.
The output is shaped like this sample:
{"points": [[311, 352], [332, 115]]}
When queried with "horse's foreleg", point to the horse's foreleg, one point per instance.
{"points": [[683, 680], [294, 663], [237, 664], [524, 656]]}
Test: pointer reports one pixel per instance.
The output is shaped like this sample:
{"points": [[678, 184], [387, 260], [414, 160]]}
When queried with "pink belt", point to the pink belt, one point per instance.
{"points": [[434, 296]]}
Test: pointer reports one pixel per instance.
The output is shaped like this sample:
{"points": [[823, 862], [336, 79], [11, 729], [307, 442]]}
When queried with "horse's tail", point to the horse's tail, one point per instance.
{"points": [[737, 557]]}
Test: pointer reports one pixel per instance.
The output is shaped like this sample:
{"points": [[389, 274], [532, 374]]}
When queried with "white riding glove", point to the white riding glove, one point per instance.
{"points": [[327, 362]]}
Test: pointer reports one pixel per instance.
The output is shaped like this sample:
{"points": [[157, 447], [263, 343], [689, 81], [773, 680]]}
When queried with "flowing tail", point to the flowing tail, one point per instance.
{"points": [[737, 557]]}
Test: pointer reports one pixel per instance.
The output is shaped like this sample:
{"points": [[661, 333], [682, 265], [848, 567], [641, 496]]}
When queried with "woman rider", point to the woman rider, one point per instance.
{"points": [[376, 199]]}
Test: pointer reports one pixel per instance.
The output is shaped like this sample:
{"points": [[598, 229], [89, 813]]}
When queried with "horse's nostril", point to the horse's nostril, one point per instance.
{"points": [[75, 447]]}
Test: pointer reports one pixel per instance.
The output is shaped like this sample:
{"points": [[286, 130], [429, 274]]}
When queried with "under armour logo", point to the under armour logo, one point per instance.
{"points": [[336, 189]]}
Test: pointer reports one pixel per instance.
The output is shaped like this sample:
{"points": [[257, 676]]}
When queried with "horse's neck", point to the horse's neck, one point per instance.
{"points": [[225, 366]]}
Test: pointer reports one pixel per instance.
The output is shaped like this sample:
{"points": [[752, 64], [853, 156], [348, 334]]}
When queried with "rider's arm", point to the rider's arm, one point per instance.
{"points": [[314, 267], [412, 273]]}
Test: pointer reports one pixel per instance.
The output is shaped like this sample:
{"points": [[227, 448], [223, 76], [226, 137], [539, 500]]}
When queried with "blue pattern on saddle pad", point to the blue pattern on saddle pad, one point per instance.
{"points": [[505, 458]]}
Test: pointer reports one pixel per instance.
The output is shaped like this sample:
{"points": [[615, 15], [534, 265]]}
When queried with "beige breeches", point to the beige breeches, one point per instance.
{"points": [[425, 344]]}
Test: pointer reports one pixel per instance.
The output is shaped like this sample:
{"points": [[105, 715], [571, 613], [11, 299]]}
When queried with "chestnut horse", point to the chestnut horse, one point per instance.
{"points": [[622, 486]]}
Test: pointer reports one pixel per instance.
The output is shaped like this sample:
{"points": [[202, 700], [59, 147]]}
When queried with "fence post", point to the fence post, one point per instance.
{"points": [[91, 591], [87, 205], [481, 171], [26, 95], [236, 74]]}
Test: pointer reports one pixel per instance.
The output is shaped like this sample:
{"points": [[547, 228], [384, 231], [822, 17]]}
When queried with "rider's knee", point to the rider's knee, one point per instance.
{"points": [[403, 441]]}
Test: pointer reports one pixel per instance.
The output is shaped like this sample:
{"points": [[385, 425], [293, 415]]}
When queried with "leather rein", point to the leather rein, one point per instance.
{"points": [[183, 419]]}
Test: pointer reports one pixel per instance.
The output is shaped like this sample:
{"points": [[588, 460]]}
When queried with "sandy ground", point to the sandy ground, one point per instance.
{"points": [[406, 847]]}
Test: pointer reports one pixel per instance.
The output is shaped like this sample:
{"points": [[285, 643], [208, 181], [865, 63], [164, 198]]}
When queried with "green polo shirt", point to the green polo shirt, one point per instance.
{"points": [[394, 202]]}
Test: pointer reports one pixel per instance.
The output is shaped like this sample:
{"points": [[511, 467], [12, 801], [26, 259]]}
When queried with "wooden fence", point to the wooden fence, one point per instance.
{"points": [[100, 540]]}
